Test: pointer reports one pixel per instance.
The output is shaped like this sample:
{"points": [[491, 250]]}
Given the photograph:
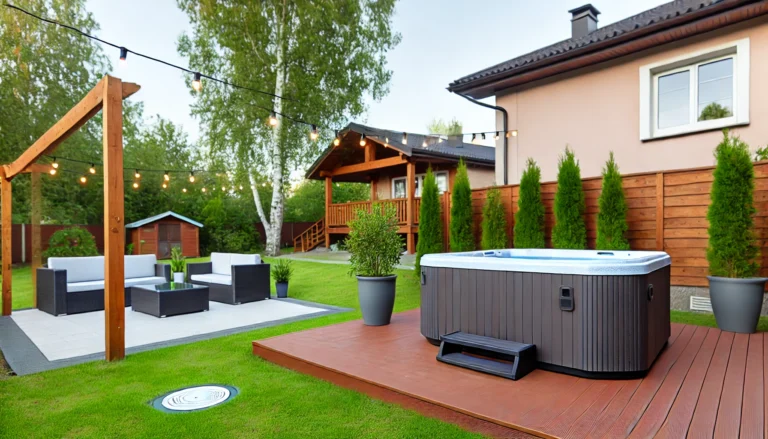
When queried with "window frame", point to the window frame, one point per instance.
{"points": [[420, 178], [649, 80]]}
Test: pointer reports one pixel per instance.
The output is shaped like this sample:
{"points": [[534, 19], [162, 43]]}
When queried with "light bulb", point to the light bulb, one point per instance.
{"points": [[496, 137], [482, 135], [137, 174], [135, 184], [52, 171], [203, 190], [337, 139], [264, 184], [514, 133], [424, 143], [191, 177], [223, 188], [55, 164], [165, 185], [184, 190], [166, 177], [123, 56], [92, 169], [362, 139], [313, 134], [272, 119], [241, 187], [405, 138], [196, 84], [83, 179]]}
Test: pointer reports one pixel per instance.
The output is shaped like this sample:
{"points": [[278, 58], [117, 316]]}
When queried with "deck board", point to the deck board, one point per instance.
{"points": [[681, 395]]}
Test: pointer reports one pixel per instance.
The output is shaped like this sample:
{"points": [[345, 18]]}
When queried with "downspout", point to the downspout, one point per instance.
{"points": [[506, 129]]}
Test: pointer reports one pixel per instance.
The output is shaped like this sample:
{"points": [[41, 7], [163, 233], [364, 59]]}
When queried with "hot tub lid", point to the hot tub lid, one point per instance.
{"points": [[580, 262]]}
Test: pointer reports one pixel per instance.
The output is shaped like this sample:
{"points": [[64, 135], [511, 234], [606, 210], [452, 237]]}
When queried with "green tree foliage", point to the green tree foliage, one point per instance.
{"points": [[373, 242], [714, 111], [570, 231], [307, 202], [462, 238], [329, 58], [733, 250], [439, 126], [612, 219], [228, 227], [430, 220], [529, 218], [494, 222], [72, 241]]}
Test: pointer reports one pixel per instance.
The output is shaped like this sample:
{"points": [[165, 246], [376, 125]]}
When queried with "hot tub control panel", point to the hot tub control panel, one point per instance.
{"points": [[566, 298]]}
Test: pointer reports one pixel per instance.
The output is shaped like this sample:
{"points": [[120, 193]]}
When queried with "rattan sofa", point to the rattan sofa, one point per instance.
{"points": [[75, 285], [232, 278]]}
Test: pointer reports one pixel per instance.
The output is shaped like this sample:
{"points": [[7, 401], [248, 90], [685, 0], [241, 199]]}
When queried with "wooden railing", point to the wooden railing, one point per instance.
{"points": [[341, 214], [311, 238]]}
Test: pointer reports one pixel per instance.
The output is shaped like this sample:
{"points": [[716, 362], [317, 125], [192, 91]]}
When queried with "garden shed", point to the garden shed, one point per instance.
{"points": [[160, 233]]}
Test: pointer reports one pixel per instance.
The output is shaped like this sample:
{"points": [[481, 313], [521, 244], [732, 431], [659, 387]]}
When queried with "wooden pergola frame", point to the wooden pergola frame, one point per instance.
{"points": [[107, 95]]}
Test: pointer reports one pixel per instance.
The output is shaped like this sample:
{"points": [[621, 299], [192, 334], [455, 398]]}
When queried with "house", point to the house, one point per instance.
{"points": [[394, 164], [160, 233], [656, 88]]}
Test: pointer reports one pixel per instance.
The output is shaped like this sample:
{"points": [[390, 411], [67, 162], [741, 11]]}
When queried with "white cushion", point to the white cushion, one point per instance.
{"points": [[140, 266], [220, 263], [150, 280], [237, 259], [74, 287], [80, 269], [212, 279]]}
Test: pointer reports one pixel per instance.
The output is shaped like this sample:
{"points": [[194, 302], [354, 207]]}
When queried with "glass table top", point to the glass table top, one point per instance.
{"points": [[170, 286]]}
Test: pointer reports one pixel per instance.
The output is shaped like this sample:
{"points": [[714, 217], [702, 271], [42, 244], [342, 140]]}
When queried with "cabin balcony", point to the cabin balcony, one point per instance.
{"points": [[340, 214]]}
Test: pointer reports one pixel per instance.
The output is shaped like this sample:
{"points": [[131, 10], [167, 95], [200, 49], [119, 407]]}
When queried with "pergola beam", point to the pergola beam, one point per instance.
{"points": [[5, 193], [365, 166]]}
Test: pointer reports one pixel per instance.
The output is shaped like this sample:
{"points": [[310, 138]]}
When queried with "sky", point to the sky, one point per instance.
{"points": [[442, 40]]}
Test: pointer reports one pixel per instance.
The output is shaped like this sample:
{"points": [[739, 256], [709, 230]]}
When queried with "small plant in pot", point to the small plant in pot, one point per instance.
{"points": [[177, 265], [282, 271], [375, 249], [736, 294]]}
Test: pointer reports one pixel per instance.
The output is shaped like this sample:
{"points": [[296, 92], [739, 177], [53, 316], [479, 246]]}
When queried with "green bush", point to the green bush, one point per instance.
{"points": [[732, 250], [430, 220], [612, 219], [227, 228], [462, 238], [569, 231], [282, 270], [73, 241], [494, 222], [177, 260], [529, 218], [373, 241]]}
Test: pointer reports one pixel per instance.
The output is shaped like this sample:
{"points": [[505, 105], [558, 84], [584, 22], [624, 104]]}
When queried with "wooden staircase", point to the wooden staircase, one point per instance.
{"points": [[311, 238]]}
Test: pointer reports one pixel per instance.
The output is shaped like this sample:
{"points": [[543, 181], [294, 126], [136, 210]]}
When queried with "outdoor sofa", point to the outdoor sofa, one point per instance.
{"points": [[232, 278], [74, 285]]}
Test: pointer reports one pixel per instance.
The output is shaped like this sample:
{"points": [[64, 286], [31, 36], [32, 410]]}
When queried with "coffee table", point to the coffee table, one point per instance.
{"points": [[169, 299]]}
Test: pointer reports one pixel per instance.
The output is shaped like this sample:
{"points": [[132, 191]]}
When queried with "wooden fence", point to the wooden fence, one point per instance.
{"points": [[667, 211]]}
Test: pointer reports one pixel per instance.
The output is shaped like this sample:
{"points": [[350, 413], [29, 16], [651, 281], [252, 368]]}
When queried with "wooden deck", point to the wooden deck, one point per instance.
{"points": [[706, 383]]}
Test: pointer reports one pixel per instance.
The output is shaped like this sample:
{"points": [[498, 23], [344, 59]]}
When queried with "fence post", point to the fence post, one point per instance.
{"points": [[660, 211]]}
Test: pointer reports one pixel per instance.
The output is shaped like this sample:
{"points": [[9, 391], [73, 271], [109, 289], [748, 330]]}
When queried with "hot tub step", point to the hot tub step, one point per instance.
{"points": [[503, 358]]}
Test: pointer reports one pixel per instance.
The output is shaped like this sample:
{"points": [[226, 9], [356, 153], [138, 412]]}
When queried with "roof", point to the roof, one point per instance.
{"points": [[451, 148], [160, 216], [664, 17]]}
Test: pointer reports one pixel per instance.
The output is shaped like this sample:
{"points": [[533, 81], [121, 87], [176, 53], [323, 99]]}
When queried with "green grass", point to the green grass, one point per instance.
{"points": [[705, 319], [21, 286]]}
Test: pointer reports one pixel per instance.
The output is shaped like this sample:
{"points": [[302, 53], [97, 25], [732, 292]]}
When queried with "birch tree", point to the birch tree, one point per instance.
{"points": [[326, 58]]}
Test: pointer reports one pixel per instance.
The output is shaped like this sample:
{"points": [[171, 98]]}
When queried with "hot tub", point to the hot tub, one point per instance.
{"points": [[589, 313]]}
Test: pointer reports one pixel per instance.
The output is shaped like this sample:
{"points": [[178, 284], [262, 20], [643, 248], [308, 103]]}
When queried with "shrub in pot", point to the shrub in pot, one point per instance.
{"points": [[375, 249], [282, 271], [736, 294], [177, 264]]}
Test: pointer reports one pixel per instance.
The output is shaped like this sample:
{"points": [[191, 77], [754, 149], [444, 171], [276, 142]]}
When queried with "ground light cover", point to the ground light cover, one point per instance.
{"points": [[101, 399]]}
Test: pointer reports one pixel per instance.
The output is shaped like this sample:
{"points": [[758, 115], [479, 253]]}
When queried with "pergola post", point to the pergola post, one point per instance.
{"points": [[35, 214], [5, 193], [114, 228], [328, 201], [410, 187]]}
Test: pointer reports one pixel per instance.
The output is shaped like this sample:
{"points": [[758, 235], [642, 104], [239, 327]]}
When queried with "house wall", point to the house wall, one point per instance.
{"points": [[596, 110], [478, 177]]}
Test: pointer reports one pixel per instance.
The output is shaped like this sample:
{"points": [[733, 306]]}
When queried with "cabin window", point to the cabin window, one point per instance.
{"points": [[697, 92], [399, 190]]}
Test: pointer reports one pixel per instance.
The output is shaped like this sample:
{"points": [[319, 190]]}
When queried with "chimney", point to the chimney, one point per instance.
{"points": [[583, 20]]}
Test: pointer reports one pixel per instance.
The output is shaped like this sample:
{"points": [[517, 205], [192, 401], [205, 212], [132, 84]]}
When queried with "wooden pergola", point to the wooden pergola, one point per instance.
{"points": [[107, 95]]}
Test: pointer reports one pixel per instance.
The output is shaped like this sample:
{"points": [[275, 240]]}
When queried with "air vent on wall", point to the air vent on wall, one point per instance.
{"points": [[699, 303]]}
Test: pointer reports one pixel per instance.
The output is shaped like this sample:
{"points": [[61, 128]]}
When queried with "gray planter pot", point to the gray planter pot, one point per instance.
{"points": [[736, 302], [377, 298], [282, 289]]}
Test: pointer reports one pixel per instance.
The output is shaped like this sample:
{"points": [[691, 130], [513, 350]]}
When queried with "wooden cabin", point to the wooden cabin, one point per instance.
{"points": [[159, 234], [394, 164]]}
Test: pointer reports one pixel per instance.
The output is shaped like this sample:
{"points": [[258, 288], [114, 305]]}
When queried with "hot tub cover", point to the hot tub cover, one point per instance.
{"points": [[582, 262]]}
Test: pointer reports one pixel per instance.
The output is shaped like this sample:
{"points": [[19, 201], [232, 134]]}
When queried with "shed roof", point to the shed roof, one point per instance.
{"points": [[160, 216]]}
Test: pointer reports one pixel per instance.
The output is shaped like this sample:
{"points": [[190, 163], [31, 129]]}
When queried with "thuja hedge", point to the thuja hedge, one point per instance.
{"points": [[494, 222], [570, 231], [612, 217], [529, 218], [461, 236], [430, 220], [732, 250]]}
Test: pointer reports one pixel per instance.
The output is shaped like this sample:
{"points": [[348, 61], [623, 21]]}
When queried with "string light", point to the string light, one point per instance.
{"points": [[337, 139], [424, 144], [55, 164], [264, 184], [362, 139], [223, 188], [514, 133], [83, 179], [313, 134], [272, 119], [92, 169], [405, 138], [474, 137], [496, 137], [166, 176], [184, 190], [52, 171], [135, 184], [203, 190], [137, 174], [123, 55], [191, 177], [165, 185], [482, 136], [196, 84], [241, 187]]}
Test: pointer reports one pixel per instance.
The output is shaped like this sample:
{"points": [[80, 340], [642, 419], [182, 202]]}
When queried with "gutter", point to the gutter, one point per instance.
{"points": [[506, 129]]}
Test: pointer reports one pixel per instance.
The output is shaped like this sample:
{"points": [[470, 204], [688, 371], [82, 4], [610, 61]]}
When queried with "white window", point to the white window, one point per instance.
{"points": [[697, 92], [399, 190]]}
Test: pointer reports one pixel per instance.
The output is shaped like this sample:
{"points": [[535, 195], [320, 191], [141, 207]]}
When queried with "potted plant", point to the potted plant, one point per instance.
{"points": [[735, 292], [177, 265], [375, 249], [282, 271]]}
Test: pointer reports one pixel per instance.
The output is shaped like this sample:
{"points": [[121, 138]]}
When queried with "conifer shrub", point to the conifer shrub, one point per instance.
{"points": [[462, 239], [494, 222], [570, 231], [430, 220], [529, 218], [72, 241], [612, 219], [732, 250]]}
